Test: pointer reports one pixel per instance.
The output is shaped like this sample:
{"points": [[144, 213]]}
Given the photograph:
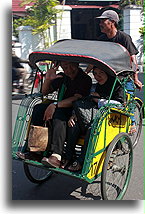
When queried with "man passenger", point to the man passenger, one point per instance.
{"points": [[76, 84]]}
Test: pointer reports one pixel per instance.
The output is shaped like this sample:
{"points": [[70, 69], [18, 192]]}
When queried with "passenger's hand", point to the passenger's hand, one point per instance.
{"points": [[51, 73], [78, 96], [95, 94], [49, 112], [89, 68], [72, 120]]}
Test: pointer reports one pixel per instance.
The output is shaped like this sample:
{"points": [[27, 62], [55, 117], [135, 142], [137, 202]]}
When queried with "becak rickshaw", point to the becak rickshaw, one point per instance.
{"points": [[110, 146]]}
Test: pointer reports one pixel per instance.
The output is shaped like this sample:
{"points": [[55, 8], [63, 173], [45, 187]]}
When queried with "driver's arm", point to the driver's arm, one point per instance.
{"points": [[135, 68]]}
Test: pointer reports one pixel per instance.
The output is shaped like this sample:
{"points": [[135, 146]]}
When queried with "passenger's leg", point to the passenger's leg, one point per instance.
{"points": [[38, 114], [72, 138], [58, 136], [84, 148], [78, 164], [59, 124]]}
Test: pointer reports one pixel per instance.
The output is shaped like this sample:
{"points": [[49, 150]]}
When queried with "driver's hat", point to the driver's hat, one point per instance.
{"points": [[109, 14]]}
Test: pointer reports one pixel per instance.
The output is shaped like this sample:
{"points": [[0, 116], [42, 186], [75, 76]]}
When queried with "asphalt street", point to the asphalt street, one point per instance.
{"points": [[60, 187]]}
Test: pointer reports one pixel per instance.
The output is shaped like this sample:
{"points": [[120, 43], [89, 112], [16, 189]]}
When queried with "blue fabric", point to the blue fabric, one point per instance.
{"points": [[130, 90]]}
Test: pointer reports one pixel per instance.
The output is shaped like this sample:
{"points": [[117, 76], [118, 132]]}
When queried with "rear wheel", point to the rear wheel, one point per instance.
{"points": [[138, 123], [36, 174], [117, 168]]}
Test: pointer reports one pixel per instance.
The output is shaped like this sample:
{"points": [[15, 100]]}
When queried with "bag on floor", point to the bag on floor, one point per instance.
{"points": [[38, 138]]}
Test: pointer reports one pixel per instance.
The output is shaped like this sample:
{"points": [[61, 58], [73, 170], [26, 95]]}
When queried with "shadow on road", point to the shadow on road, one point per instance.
{"points": [[58, 187]]}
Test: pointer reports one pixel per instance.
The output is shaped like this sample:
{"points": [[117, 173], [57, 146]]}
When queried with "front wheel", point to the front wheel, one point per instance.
{"points": [[36, 174], [117, 168]]}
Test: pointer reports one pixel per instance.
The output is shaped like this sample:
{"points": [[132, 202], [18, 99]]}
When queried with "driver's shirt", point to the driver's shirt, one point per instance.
{"points": [[123, 39]]}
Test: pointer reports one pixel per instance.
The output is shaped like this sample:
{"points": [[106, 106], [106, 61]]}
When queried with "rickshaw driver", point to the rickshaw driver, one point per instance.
{"points": [[78, 84], [108, 25], [103, 89]]}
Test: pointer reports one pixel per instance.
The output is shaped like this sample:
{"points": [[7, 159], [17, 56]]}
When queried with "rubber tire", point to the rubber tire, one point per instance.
{"points": [[140, 116], [105, 165], [32, 178]]}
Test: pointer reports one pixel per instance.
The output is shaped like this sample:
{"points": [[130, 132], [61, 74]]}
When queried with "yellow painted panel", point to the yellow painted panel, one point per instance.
{"points": [[112, 125]]}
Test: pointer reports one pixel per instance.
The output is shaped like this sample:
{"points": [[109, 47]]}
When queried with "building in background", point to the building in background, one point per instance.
{"points": [[81, 16], [78, 22]]}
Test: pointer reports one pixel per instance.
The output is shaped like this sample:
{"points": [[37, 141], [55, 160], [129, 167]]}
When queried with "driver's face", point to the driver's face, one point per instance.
{"points": [[105, 25]]}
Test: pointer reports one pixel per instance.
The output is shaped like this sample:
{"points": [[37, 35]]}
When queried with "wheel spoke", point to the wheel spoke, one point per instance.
{"points": [[114, 178], [117, 174], [138, 123]]}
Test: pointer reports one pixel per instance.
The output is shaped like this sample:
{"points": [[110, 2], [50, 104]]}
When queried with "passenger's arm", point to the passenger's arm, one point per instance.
{"points": [[50, 76], [46, 87], [95, 94], [66, 103], [89, 68]]}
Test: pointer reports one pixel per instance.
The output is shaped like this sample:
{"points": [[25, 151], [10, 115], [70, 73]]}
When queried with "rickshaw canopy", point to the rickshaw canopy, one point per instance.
{"points": [[108, 56]]}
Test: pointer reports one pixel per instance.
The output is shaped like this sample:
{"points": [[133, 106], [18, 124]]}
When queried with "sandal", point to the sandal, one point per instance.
{"points": [[29, 156], [76, 166]]}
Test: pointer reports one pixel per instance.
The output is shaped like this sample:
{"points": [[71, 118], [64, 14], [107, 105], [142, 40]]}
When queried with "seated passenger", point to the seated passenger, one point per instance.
{"points": [[103, 89], [76, 84]]}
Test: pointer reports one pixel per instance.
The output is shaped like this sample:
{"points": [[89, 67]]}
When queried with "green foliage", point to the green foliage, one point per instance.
{"points": [[41, 15], [142, 30], [124, 3], [16, 24]]}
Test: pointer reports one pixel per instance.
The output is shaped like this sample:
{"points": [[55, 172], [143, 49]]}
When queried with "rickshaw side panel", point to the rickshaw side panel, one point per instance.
{"points": [[22, 123], [112, 125]]}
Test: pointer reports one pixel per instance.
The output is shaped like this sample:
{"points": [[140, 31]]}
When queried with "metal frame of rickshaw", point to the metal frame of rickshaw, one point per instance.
{"points": [[99, 140]]}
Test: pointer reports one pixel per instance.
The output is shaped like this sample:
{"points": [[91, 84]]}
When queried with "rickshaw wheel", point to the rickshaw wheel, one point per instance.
{"points": [[138, 123], [36, 174], [117, 168]]}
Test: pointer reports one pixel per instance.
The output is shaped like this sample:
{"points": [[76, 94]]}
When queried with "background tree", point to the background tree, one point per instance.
{"points": [[124, 3], [40, 16]]}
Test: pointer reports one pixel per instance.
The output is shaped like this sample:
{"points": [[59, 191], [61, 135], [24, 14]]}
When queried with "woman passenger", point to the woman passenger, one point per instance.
{"points": [[103, 89]]}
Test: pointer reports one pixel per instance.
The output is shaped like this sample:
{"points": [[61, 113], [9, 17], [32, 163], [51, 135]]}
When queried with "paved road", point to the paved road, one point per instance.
{"points": [[61, 187]]}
